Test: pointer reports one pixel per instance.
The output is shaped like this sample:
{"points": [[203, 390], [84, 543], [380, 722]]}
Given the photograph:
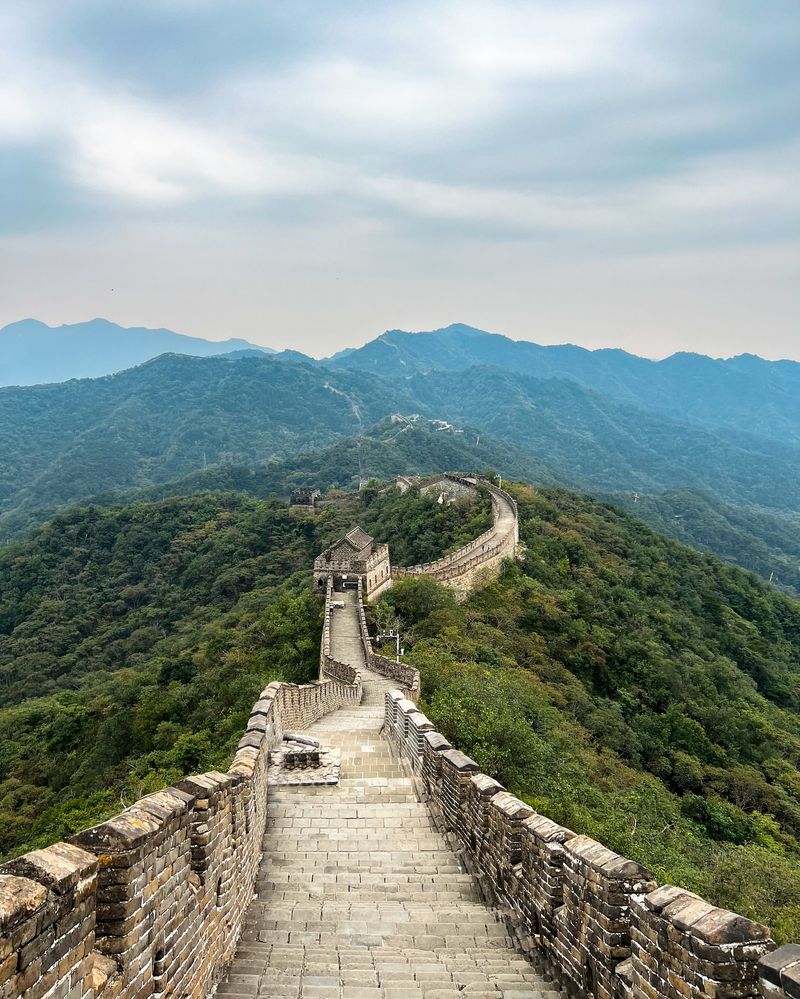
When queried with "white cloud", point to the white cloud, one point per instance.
{"points": [[20, 119], [389, 113], [535, 41], [129, 149]]}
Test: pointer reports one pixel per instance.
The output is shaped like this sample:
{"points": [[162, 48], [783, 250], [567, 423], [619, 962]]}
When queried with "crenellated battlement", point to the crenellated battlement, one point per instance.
{"points": [[482, 557], [598, 920]]}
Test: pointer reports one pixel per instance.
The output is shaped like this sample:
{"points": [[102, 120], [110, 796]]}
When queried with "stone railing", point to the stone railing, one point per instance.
{"points": [[154, 898], [332, 669], [596, 919], [406, 676], [488, 549]]}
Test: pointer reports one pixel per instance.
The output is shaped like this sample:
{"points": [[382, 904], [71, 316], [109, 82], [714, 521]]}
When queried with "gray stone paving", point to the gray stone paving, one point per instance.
{"points": [[359, 896], [346, 644]]}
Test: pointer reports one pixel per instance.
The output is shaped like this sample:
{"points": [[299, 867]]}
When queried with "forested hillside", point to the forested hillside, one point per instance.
{"points": [[610, 446], [68, 442], [134, 640], [763, 542], [631, 689], [176, 415]]}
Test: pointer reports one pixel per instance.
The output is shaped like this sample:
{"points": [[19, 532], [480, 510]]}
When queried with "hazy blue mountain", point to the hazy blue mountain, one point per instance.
{"points": [[32, 353], [610, 446], [175, 415], [744, 393]]}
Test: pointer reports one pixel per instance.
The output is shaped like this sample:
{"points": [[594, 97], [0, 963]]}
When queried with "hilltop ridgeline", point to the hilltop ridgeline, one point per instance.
{"points": [[710, 447], [32, 353]]}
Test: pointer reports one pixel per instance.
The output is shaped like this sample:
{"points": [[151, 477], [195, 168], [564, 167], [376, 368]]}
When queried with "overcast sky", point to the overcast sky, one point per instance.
{"points": [[308, 174]]}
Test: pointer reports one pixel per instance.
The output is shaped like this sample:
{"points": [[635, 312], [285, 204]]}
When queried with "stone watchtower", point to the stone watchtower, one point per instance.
{"points": [[353, 557], [305, 496]]}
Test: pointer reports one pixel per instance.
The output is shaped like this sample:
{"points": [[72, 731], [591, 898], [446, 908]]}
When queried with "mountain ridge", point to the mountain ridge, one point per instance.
{"points": [[33, 353], [743, 393]]}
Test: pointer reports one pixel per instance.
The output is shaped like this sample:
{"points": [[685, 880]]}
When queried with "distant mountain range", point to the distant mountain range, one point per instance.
{"points": [[705, 450], [32, 353], [745, 393]]}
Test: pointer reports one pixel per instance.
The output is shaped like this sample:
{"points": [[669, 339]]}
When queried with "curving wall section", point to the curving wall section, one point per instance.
{"points": [[598, 920], [406, 676], [481, 557]]}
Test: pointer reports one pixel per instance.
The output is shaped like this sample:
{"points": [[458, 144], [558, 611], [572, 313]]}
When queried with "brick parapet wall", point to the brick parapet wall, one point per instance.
{"points": [[153, 900], [599, 920], [406, 676]]}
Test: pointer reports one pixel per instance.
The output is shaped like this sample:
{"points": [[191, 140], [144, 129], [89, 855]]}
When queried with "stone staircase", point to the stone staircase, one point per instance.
{"points": [[359, 896]]}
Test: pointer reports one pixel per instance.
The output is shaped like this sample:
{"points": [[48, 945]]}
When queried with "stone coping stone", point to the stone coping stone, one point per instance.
{"points": [[685, 911], [20, 898], [486, 786], [657, 900], [58, 867], [510, 805], [790, 981], [547, 830], [623, 869], [611, 864], [166, 804], [436, 741], [459, 760], [251, 738], [723, 927], [706, 923], [125, 832], [207, 785], [773, 966]]}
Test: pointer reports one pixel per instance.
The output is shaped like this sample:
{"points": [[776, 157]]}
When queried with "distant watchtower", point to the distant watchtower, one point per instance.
{"points": [[305, 496]]}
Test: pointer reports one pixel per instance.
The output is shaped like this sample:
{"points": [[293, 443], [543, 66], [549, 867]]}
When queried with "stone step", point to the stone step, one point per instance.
{"points": [[359, 897], [375, 986]]}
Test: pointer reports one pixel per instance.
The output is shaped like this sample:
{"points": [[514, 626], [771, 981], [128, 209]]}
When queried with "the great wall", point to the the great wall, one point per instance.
{"points": [[350, 852]]}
